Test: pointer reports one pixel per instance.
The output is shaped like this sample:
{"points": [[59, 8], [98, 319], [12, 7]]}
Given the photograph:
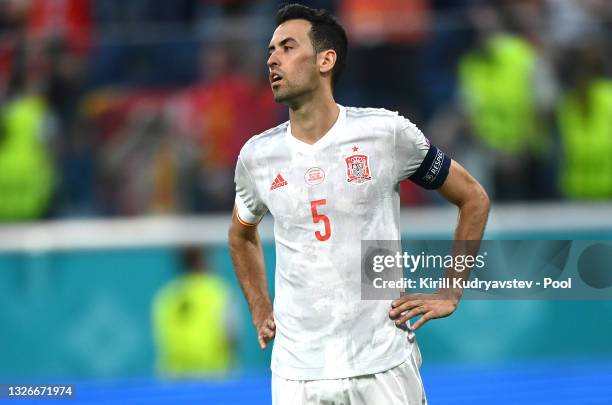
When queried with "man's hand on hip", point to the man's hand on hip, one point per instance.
{"points": [[266, 328], [430, 306]]}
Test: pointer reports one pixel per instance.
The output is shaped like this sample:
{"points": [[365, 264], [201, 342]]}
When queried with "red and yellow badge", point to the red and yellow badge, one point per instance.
{"points": [[357, 169]]}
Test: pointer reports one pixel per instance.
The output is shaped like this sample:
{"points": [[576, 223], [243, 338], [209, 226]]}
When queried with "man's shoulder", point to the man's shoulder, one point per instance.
{"points": [[370, 113], [374, 121], [263, 140], [269, 135]]}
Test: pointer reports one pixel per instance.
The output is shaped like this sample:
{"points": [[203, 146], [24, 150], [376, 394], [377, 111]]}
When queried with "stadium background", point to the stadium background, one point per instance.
{"points": [[121, 122]]}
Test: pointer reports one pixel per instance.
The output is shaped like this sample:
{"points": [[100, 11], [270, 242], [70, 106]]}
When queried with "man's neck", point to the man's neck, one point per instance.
{"points": [[312, 120]]}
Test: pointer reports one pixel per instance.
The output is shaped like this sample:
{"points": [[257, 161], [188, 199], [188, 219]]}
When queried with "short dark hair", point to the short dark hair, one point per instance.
{"points": [[325, 33]]}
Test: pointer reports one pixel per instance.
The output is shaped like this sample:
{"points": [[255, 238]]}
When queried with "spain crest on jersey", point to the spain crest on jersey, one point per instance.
{"points": [[357, 169]]}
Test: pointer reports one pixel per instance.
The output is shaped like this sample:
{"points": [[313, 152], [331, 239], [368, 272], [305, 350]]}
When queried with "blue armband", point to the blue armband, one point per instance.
{"points": [[433, 170]]}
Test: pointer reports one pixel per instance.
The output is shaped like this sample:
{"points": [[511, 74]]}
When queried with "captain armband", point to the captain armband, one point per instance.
{"points": [[433, 170]]}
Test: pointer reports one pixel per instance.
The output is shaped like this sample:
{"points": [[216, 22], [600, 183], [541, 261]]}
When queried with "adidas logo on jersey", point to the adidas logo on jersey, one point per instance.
{"points": [[278, 182]]}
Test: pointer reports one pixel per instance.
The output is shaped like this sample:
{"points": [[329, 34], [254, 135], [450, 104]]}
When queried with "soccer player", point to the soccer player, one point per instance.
{"points": [[329, 177]]}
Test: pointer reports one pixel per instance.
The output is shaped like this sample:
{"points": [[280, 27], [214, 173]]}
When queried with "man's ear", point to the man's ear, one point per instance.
{"points": [[327, 60]]}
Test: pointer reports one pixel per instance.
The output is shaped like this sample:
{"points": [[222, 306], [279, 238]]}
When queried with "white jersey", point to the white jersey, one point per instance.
{"points": [[325, 198]]}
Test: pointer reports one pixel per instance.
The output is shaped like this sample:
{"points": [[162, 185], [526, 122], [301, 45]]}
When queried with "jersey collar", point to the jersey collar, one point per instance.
{"points": [[325, 139]]}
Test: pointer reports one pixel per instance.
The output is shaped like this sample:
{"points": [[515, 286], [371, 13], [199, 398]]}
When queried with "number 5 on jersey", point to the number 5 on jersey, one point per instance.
{"points": [[316, 218]]}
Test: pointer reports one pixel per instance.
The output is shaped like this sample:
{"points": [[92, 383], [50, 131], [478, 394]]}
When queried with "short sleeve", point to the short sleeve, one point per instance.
{"points": [[416, 158], [249, 206]]}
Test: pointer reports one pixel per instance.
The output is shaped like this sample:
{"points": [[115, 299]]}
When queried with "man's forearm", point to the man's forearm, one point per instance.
{"points": [[248, 259], [461, 189], [473, 215]]}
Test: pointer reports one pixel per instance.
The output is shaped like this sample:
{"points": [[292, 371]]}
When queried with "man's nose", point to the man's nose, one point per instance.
{"points": [[272, 60]]}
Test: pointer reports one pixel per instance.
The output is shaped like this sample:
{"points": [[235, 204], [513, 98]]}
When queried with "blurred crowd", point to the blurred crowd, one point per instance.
{"points": [[113, 107]]}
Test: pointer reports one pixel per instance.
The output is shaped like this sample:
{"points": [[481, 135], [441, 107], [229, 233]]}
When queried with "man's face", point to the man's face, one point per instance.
{"points": [[292, 61]]}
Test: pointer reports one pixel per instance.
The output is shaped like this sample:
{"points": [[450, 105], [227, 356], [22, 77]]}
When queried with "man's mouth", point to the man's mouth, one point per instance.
{"points": [[275, 77]]}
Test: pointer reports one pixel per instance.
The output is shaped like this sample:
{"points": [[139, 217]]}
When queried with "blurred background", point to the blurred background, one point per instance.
{"points": [[120, 124]]}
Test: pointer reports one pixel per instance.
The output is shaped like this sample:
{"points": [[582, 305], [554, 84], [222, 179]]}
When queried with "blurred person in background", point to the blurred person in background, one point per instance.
{"points": [[499, 86], [217, 114], [147, 160], [74, 146], [387, 37], [191, 326], [448, 39], [387, 33], [46, 44], [27, 171], [584, 119]]}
